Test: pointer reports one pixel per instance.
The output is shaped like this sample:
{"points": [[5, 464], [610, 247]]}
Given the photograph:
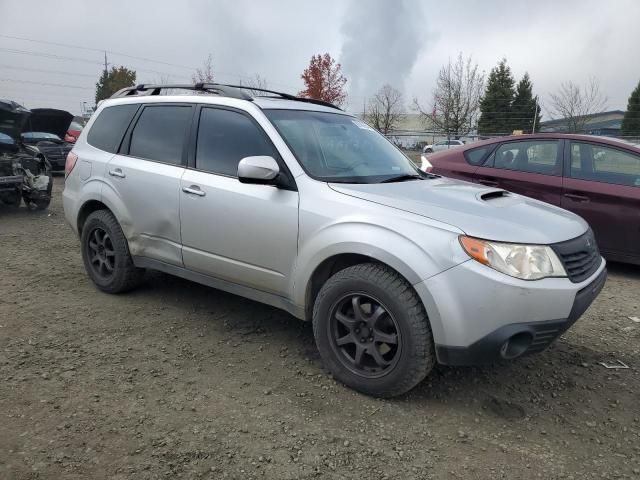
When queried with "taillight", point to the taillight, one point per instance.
{"points": [[425, 164], [72, 158]]}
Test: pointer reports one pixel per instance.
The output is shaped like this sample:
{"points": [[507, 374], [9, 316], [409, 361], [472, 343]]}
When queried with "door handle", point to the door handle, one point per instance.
{"points": [[117, 173], [194, 190], [576, 197], [488, 183]]}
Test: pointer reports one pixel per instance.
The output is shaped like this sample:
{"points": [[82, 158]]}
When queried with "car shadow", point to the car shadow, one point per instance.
{"points": [[624, 269]]}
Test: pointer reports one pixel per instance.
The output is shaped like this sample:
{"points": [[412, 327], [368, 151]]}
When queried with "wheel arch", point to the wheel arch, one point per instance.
{"points": [[339, 261], [87, 209]]}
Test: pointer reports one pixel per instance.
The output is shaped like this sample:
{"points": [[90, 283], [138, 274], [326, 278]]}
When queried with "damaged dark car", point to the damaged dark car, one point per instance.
{"points": [[45, 130], [25, 172]]}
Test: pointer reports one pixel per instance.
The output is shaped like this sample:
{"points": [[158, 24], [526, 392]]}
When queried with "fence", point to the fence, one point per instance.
{"points": [[415, 140]]}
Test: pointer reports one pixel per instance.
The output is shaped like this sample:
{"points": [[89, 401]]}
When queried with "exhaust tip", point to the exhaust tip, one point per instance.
{"points": [[516, 345]]}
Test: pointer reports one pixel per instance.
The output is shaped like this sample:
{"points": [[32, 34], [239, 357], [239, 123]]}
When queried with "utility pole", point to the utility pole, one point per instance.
{"points": [[535, 117], [106, 65]]}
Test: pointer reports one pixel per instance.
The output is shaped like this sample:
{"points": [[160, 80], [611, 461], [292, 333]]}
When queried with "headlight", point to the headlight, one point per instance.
{"points": [[529, 262]]}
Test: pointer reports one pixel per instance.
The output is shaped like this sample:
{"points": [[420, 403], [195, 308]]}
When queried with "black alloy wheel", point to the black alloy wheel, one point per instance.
{"points": [[366, 337], [101, 254]]}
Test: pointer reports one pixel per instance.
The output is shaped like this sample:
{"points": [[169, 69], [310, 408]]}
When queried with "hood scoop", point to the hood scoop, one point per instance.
{"points": [[493, 195]]}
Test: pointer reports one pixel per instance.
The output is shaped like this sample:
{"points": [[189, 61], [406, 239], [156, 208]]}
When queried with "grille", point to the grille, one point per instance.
{"points": [[579, 256]]}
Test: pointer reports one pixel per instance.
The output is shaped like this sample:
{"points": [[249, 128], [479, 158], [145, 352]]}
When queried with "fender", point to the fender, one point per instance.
{"points": [[403, 254]]}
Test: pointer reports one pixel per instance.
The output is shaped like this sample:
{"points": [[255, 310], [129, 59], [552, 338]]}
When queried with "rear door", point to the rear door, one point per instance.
{"points": [[145, 176], [602, 185], [529, 167]]}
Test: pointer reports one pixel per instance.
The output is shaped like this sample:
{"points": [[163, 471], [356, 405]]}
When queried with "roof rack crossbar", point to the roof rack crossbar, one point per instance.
{"points": [[222, 89]]}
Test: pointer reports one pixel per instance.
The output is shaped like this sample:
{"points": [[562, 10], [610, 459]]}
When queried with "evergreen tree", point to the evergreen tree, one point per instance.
{"points": [[495, 107], [113, 80], [523, 108], [631, 121]]}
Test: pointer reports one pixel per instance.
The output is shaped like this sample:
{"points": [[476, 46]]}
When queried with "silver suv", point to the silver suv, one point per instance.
{"points": [[296, 204]]}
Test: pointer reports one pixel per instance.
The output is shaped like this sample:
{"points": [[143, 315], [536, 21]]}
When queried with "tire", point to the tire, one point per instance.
{"points": [[340, 333], [428, 150], [41, 204], [106, 256]]}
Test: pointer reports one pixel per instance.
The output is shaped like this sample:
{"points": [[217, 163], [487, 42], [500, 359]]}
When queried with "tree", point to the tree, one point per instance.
{"points": [[631, 121], [385, 109], [495, 107], [113, 80], [324, 81], [574, 103], [256, 81], [525, 109], [204, 74], [456, 97]]}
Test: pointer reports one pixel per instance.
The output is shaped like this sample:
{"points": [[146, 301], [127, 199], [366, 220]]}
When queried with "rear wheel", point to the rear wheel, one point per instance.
{"points": [[372, 330], [106, 256]]}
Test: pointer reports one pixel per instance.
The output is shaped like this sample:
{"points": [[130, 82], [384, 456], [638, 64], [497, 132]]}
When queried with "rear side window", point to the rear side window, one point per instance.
{"points": [[536, 156], [604, 164], [476, 155], [107, 130], [159, 133], [224, 138]]}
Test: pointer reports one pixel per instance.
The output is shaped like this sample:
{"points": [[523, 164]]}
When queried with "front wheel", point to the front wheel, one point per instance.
{"points": [[372, 330]]}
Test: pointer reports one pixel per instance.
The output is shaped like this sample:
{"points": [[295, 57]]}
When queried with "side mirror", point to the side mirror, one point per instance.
{"points": [[259, 169]]}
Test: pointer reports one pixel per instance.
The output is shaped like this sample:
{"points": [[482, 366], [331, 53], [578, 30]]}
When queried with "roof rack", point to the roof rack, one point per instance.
{"points": [[215, 88], [222, 89]]}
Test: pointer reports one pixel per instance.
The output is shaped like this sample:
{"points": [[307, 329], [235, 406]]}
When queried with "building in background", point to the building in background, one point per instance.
{"points": [[606, 123]]}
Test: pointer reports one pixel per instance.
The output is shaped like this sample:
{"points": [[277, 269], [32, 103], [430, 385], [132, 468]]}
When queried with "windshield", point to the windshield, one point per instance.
{"points": [[6, 139], [339, 148], [40, 136]]}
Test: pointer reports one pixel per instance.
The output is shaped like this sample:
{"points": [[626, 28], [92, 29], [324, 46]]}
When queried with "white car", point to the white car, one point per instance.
{"points": [[442, 145]]}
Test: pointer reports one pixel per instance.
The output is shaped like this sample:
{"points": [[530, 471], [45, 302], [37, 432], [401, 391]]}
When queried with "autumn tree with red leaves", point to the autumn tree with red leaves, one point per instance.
{"points": [[324, 81]]}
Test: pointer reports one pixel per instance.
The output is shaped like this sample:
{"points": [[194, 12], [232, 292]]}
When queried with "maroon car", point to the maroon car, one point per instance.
{"points": [[598, 178]]}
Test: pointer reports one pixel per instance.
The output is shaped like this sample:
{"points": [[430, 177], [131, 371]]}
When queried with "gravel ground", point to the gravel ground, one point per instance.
{"points": [[176, 380]]}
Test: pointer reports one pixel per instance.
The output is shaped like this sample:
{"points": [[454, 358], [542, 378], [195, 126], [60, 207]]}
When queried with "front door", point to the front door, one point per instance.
{"points": [[243, 233], [529, 167]]}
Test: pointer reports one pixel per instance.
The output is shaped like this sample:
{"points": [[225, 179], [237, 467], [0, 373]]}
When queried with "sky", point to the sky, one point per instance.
{"points": [[400, 42]]}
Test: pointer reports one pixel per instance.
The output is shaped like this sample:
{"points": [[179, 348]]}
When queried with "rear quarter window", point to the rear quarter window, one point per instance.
{"points": [[476, 156], [108, 129]]}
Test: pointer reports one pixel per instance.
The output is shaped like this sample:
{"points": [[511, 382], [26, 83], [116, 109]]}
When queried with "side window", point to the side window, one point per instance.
{"points": [[604, 164], [159, 133], [476, 155], [108, 129], [540, 156], [224, 138]]}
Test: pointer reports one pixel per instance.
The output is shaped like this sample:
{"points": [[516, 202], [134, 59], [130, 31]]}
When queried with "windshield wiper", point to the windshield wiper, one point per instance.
{"points": [[403, 178]]}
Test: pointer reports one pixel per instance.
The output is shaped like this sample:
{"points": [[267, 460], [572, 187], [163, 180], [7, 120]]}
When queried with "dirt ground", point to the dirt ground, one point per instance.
{"points": [[176, 380]]}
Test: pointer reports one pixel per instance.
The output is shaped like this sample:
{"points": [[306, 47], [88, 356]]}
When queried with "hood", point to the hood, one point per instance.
{"points": [[478, 211], [49, 120], [13, 117]]}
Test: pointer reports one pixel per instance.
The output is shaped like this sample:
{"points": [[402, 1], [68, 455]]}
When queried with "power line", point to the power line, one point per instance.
{"points": [[46, 84], [39, 70], [101, 50]]}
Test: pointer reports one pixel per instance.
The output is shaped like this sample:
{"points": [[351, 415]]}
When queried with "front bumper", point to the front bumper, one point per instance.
{"points": [[481, 316]]}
